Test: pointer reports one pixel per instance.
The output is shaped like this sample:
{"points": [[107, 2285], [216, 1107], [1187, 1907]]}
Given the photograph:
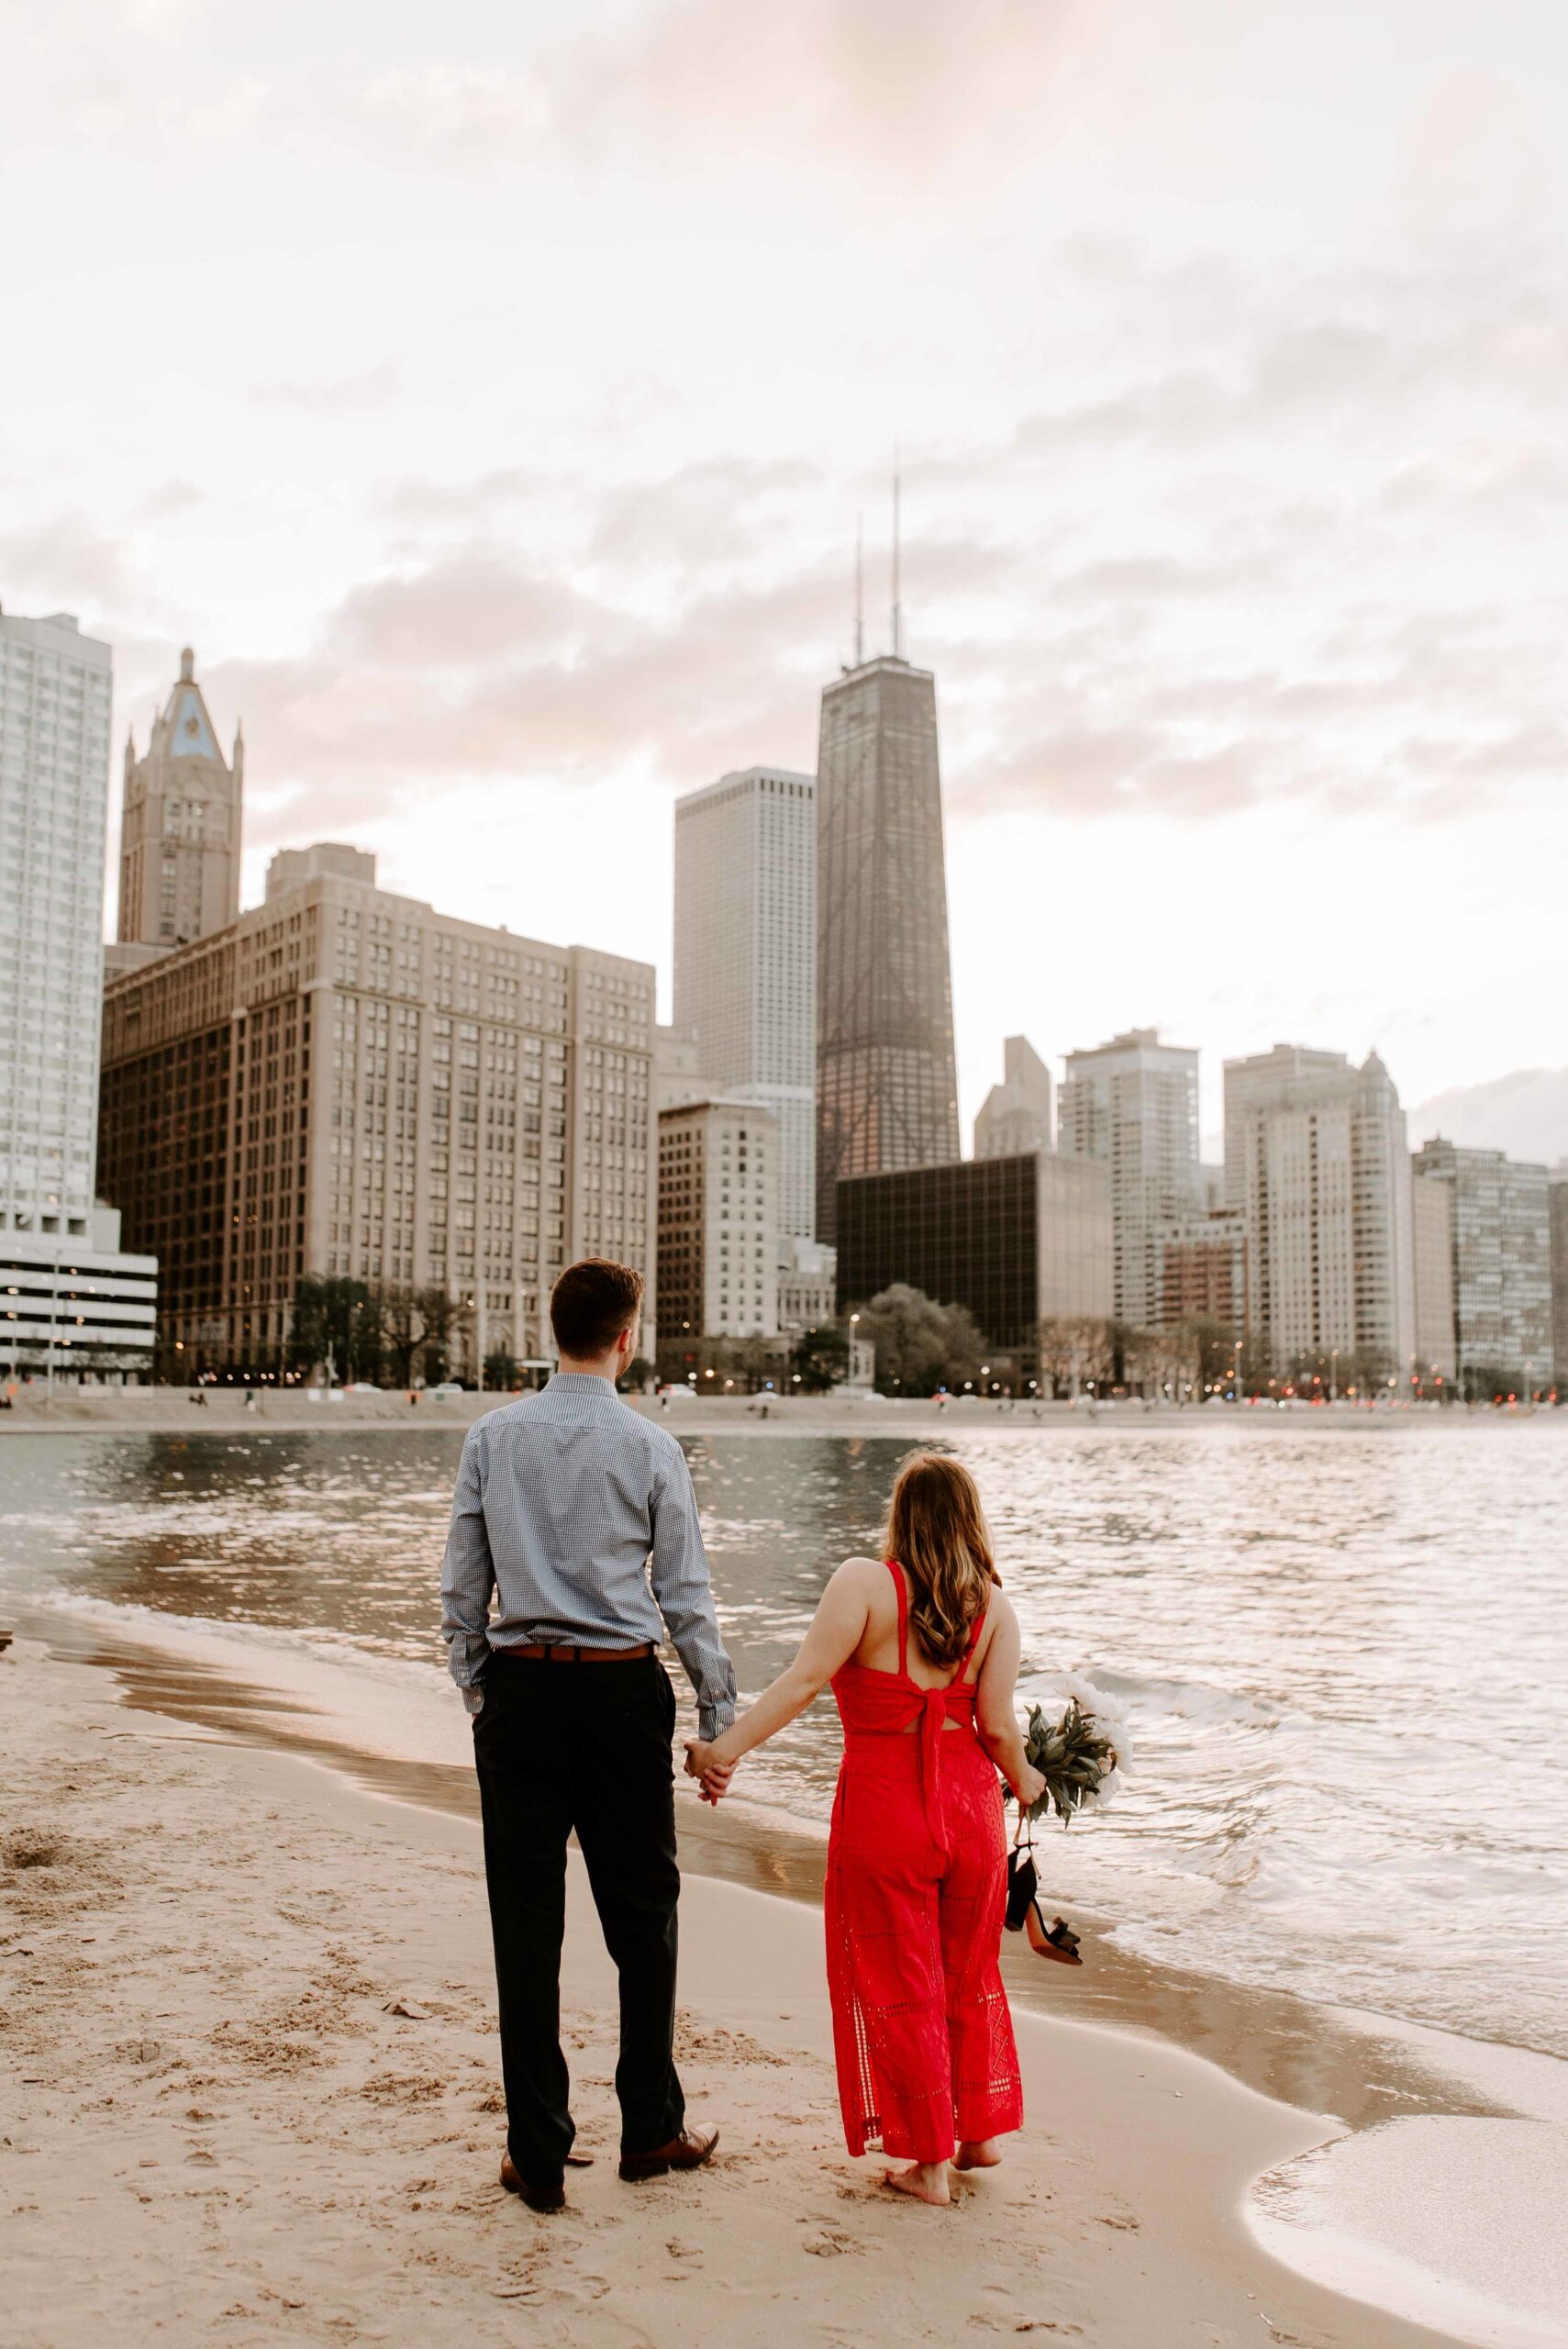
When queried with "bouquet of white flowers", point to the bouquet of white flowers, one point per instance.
{"points": [[1082, 1756]]}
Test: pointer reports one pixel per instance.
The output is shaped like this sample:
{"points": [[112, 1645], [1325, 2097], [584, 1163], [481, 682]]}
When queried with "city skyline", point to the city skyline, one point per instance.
{"points": [[1232, 485]]}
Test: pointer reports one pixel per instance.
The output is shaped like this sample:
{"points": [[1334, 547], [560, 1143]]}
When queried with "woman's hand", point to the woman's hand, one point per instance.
{"points": [[1028, 1787], [714, 1776]]}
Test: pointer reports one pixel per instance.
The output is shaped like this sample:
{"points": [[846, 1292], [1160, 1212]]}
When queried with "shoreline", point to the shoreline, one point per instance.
{"points": [[251, 1915], [1362, 2073], [171, 1411], [1287, 2046]]}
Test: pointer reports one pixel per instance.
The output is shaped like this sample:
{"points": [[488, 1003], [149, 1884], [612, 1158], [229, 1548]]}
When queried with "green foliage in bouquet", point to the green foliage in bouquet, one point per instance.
{"points": [[1073, 1755]]}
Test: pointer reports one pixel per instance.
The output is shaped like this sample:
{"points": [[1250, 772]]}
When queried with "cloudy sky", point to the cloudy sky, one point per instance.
{"points": [[489, 393]]}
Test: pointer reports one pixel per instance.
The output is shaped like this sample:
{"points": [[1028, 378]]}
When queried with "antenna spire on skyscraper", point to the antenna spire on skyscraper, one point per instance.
{"points": [[898, 609], [860, 593]]}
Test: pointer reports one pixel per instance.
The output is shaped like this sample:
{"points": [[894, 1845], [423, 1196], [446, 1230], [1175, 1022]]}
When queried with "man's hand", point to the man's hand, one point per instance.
{"points": [[714, 1776]]}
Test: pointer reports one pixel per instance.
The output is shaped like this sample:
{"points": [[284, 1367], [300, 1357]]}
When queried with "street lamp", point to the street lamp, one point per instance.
{"points": [[1235, 1372], [1334, 1376]]}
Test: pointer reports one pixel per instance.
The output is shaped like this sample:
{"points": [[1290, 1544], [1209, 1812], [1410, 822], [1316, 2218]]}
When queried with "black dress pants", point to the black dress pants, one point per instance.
{"points": [[561, 1746]]}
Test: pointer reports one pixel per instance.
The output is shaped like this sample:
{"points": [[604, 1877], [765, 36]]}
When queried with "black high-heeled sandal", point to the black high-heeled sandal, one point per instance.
{"points": [[1059, 1942]]}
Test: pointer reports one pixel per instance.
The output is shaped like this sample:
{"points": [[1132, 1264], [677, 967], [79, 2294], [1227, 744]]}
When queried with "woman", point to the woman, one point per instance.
{"points": [[922, 1651]]}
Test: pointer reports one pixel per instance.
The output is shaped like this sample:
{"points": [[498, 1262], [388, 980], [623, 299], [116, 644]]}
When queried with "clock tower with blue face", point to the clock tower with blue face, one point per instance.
{"points": [[180, 830]]}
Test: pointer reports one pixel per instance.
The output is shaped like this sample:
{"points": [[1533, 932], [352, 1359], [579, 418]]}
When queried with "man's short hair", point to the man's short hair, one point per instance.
{"points": [[590, 1304]]}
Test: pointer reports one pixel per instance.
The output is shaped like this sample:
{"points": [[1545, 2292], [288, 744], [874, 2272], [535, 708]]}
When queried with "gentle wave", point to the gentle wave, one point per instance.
{"points": [[1344, 1653]]}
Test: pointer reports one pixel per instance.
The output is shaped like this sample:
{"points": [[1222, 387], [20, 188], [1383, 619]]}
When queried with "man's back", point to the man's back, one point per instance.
{"points": [[580, 1515]]}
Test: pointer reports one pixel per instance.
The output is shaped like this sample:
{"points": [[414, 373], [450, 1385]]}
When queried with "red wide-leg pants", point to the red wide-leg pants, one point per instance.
{"points": [[922, 2035]]}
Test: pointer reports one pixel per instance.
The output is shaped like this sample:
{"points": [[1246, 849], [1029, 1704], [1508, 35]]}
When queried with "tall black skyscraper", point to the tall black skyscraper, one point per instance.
{"points": [[886, 1096]]}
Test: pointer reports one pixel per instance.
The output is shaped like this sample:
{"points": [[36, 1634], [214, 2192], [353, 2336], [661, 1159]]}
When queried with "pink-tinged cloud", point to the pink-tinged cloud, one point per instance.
{"points": [[879, 85]]}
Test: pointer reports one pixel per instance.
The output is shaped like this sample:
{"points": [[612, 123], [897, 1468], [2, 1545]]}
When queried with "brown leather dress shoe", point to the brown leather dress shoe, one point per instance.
{"points": [[688, 2151], [538, 2198]]}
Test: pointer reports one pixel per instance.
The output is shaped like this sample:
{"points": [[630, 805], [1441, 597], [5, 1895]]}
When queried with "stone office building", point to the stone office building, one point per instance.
{"points": [[719, 1165], [345, 1082]]}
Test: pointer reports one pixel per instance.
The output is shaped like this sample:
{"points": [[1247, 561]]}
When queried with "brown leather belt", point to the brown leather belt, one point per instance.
{"points": [[555, 1652]]}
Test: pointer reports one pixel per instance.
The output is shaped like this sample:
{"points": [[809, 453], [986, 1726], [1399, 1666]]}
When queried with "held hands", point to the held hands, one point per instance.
{"points": [[714, 1776]]}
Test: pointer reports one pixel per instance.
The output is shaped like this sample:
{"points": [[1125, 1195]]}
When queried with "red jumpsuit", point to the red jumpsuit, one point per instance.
{"points": [[915, 1891]]}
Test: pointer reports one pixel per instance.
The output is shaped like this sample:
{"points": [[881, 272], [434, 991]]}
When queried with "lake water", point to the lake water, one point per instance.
{"points": [[1344, 1646]]}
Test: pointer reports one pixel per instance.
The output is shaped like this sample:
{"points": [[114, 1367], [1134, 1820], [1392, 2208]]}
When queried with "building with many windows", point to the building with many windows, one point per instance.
{"points": [[745, 960], [181, 814], [886, 1092], [1132, 1103], [1016, 1240], [718, 1178], [345, 1082], [71, 1303], [55, 685], [1431, 1258], [1014, 1116], [74, 1309], [1200, 1271], [1557, 1211], [1501, 1237], [1317, 1167]]}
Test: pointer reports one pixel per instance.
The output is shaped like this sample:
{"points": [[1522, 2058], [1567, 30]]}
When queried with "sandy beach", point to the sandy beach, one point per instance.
{"points": [[248, 2065]]}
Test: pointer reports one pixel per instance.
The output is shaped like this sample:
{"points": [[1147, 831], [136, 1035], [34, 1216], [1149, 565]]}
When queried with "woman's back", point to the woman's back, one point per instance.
{"points": [[879, 1646]]}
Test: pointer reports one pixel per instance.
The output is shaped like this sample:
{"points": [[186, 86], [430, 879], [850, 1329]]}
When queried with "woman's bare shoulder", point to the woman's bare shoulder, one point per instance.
{"points": [[863, 1571], [1001, 1611]]}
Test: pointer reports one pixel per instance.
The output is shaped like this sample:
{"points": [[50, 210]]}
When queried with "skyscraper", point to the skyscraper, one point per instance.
{"points": [[71, 1301], [745, 991], [180, 824], [1501, 1231], [1317, 1163], [55, 685], [1133, 1103], [886, 1093]]}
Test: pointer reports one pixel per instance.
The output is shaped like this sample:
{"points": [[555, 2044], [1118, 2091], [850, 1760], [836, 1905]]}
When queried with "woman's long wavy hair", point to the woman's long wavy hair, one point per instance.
{"points": [[936, 1532]]}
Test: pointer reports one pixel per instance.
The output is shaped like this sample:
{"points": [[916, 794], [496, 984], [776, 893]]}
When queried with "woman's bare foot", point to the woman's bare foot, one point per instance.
{"points": [[978, 2153], [925, 2181]]}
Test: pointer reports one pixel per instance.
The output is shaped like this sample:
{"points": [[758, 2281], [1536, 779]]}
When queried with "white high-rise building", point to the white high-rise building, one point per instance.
{"points": [[55, 685], [1133, 1104], [71, 1302], [746, 958], [1317, 1162]]}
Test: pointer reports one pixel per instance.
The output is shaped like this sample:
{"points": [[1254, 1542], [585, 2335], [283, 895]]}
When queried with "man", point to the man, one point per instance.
{"points": [[579, 1516]]}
